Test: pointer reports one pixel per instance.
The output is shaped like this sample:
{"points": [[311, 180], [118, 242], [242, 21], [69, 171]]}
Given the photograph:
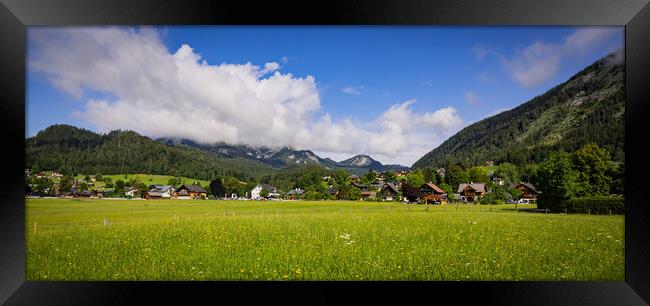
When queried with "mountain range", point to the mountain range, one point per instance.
{"points": [[77, 150], [284, 156]]}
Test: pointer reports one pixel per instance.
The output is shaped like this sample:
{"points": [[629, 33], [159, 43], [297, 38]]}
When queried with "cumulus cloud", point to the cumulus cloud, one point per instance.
{"points": [[540, 61], [177, 94], [352, 90]]}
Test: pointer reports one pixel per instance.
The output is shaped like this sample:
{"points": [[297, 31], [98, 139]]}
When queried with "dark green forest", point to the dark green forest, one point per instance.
{"points": [[71, 150]]}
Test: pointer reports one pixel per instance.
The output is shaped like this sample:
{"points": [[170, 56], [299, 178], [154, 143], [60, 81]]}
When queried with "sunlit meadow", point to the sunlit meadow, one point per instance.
{"points": [[293, 240]]}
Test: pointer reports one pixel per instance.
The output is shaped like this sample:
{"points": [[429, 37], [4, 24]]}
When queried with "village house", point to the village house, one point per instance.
{"points": [[153, 195], [353, 178], [190, 192], [498, 181], [389, 192], [256, 192], [56, 175], [360, 186], [131, 192], [471, 192], [368, 195], [529, 192], [332, 191], [84, 194], [400, 173], [166, 191], [295, 193], [431, 193]]}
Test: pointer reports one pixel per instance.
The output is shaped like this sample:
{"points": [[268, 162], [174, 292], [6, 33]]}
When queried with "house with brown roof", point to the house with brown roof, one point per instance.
{"points": [[471, 192], [190, 192], [431, 193], [529, 192], [153, 195]]}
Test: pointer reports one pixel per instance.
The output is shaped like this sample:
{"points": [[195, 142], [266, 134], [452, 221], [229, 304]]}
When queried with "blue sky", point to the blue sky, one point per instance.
{"points": [[394, 93]]}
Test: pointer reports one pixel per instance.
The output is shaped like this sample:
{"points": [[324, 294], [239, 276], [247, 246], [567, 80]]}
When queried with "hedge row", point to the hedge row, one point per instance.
{"points": [[584, 205]]}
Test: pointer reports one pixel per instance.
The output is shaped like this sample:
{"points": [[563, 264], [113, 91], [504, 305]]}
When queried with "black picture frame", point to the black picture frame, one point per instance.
{"points": [[15, 15]]}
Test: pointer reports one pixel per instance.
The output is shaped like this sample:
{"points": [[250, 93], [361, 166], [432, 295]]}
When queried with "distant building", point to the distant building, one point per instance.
{"points": [[166, 191], [153, 195], [295, 193], [389, 192], [256, 192], [360, 186], [529, 192], [471, 192], [431, 193], [190, 192]]}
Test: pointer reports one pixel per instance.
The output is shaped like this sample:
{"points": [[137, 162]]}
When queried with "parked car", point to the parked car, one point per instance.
{"points": [[511, 201]]}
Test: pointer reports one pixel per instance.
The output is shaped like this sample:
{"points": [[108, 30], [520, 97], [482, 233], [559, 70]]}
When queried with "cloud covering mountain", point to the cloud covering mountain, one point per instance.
{"points": [[128, 79]]}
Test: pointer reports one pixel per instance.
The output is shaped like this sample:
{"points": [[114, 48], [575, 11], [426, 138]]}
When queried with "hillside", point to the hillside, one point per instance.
{"points": [[71, 149], [589, 107]]}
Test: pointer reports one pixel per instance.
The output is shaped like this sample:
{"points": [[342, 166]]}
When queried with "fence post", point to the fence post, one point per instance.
{"points": [[610, 212], [34, 228], [105, 221], [546, 210], [589, 211]]}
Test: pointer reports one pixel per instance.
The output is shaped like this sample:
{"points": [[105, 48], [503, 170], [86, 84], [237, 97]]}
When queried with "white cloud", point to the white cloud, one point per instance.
{"points": [[352, 90], [540, 61], [472, 98], [537, 63], [164, 93], [584, 39], [270, 67]]}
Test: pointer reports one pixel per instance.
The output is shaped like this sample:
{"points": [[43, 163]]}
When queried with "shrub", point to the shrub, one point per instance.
{"points": [[583, 205], [596, 205]]}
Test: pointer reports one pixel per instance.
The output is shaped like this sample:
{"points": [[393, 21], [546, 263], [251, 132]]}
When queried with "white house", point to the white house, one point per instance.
{"points": [[165, 190], [132, 192], [255, 193]]}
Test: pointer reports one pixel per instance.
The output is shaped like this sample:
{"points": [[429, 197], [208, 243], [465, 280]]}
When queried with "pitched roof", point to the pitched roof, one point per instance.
{"points": [[527, 185], [154, 193], [434, 187], [359, 185], [296, 191], [479, 187], [391, 187], [85, 193], [193, 188], [161, 188], [268, 187]]}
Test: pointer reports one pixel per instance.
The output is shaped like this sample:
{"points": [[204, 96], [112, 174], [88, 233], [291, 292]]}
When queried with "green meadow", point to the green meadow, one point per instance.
{"points": [[329, 240], [147, 179]]}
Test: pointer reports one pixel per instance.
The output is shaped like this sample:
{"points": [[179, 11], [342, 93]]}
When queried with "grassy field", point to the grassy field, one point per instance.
{"points": [[251, 240], [147, 179]]}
